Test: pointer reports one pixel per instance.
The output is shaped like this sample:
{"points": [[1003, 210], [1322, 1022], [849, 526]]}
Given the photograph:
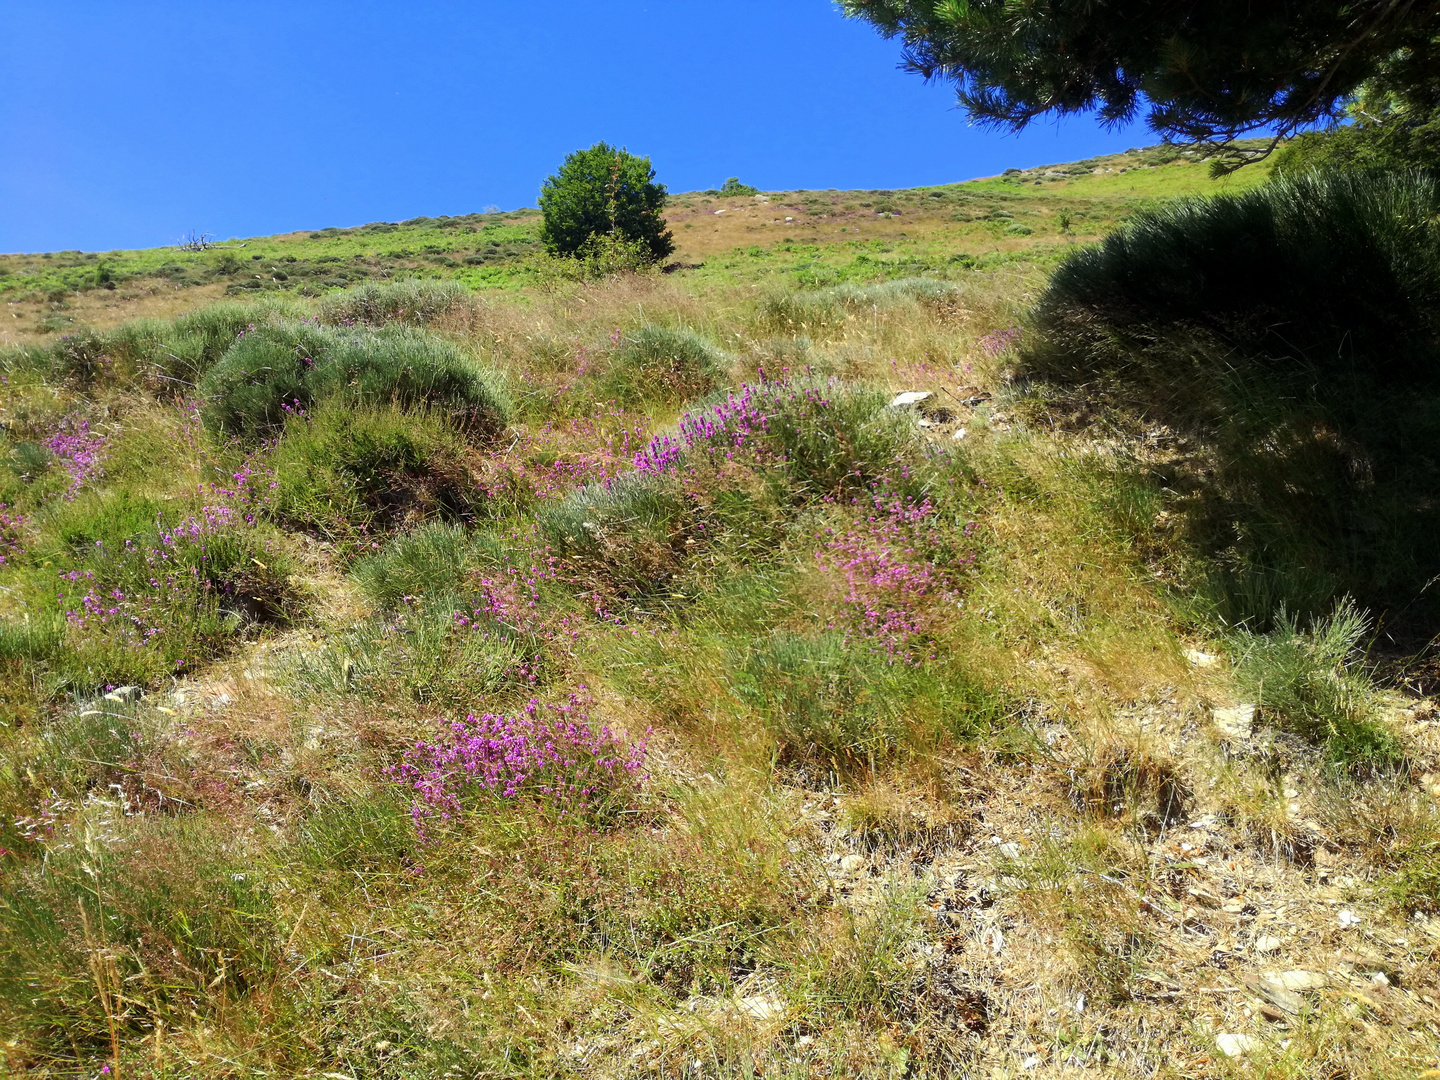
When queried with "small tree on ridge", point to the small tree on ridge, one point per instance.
{"points": [[604, 193]]}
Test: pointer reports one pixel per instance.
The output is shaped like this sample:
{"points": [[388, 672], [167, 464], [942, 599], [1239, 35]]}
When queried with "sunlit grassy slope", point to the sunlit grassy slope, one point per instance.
{"points": [[608, 680], [802, 237]]}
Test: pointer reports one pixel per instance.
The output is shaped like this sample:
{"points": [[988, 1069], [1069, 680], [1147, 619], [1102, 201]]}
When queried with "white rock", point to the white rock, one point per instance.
{"points": [[959, 433], [1236, 1045], [1010, 850], [1204, 821], [1200, 658], [762, 1007], [910, 397], [1299, 980], [1235, 721], [1348, 918], [1267, 944]]}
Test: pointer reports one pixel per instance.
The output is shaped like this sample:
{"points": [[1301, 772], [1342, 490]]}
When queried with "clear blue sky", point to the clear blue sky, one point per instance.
{"points": [[125, 123]]}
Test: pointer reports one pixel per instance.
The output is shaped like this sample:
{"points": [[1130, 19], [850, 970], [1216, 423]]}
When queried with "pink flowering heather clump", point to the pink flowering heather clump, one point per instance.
{"points": [[550, 753], [893, 566], [999, 342], [552, 460], [78, 449], [739, 422], [162, 582], [11, 524]]}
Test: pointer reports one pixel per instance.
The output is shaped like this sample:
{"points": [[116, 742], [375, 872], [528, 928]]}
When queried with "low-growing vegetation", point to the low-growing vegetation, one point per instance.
{"points": [[918, 664]]}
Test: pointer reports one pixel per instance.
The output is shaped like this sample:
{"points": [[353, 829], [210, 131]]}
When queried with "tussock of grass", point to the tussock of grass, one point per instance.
{"points": [[827, 310], [343, 471], [1287, 334], [663, 364], [374, 303], [277, 370], [1310, 682]]}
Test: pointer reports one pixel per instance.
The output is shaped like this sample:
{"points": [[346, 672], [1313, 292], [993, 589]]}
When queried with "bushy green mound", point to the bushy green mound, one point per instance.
{"points": [[413, 300], [1295, 331], [277, 370], [1334, 271], [661, 363], [168, 357], [342, 472], [829, 309]]}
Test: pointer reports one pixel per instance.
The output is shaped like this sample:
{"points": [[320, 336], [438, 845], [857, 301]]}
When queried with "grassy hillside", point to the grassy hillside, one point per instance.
{"points": [[802, 237], [491, 676]]}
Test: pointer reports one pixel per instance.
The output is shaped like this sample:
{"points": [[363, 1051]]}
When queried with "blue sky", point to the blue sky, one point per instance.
{"points": [[125, 123]]}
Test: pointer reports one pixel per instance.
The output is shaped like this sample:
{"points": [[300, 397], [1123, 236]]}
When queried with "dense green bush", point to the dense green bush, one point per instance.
{"points": [[343, 470], [1337, 272], [660, 363], [603, 192], [1294, 330], [275, 370], [415, 301], [1385, 135], [169, 356]]}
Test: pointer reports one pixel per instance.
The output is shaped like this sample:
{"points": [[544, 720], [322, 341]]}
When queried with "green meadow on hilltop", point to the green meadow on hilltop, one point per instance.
{"points": [[979, 630]]}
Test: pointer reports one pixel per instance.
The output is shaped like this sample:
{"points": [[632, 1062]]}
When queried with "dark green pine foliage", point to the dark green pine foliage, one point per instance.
{"points": [[1203, 70], [604, 192]]}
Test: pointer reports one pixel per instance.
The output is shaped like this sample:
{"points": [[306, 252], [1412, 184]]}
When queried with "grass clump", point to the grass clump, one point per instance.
{"points": [[827, 699], [1325, 271], [1308, 682], [828, 310], [104, 943], [663, 364], [426, 563], [415, 301], [345, 472], [275, 371]]}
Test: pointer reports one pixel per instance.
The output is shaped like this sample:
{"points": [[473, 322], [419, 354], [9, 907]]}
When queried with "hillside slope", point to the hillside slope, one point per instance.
{"points": [[711, 673]]}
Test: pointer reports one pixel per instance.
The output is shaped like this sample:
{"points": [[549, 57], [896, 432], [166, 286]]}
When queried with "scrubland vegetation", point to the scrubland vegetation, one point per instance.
{"points": [[606, 678]]}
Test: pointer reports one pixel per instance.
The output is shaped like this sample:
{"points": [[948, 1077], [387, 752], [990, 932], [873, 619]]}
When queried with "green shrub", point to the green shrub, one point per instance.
{"points": [[275, 371], [835, 436], [660, 363], [733, 188], [197, 339], [604, 192], [262, 377], [341, 471], [1310, 682], [1385, 137], [634, 528], [414, 301], [1330, 272], [1294, 332]]}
